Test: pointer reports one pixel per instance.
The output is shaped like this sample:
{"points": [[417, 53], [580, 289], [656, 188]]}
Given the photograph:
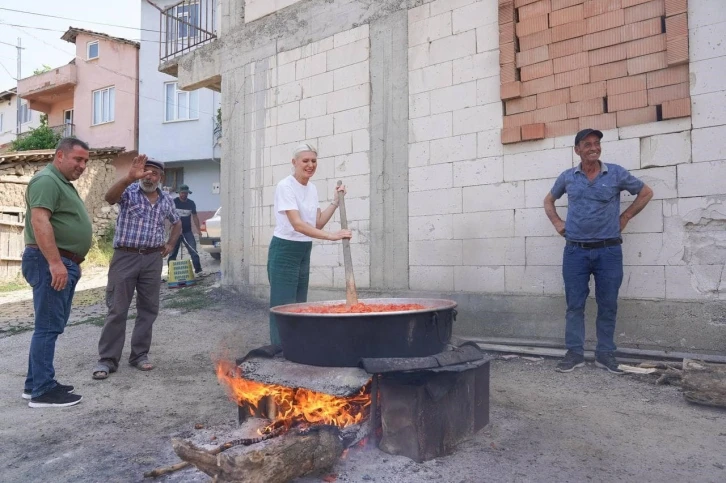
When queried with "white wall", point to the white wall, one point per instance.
{"points": [[255, 9], [477, 223], [319, 93], [169, 141], [201, 176], [8, 109]]}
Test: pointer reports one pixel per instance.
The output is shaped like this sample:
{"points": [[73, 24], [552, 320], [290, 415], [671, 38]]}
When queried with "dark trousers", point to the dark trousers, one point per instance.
{"points": [[129, 272], [606, 265], [288, 270], [52, 310], [191, 244]]}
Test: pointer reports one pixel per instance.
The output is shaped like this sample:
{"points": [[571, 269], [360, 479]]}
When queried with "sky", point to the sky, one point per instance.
{"points": [[46, 47]]}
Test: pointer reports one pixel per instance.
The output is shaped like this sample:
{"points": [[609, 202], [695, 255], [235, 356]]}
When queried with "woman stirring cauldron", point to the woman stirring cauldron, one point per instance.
{"points": [[298, 220]]}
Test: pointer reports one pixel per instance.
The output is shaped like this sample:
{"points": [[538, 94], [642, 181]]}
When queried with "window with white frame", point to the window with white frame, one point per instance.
{"points": [[180, 105], [26, 115], [180, 24], [104, 109], [92, 50], [1, 122]]}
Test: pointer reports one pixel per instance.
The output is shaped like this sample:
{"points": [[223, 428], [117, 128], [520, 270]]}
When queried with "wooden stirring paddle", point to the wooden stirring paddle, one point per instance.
{"points": [[351, 294]]}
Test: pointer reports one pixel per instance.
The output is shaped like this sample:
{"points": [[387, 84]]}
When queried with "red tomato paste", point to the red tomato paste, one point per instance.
{"points": [[359, 308]]}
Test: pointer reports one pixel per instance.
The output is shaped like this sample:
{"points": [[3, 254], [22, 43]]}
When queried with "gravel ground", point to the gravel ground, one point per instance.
{"points": [[545, 426]]}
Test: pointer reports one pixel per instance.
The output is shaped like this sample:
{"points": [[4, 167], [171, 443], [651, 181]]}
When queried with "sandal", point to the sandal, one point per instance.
{"points": [[101, 371], [143, 365]]}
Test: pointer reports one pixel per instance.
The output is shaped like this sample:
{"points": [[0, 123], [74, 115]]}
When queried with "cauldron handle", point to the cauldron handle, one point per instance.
{"points": [[435, 322]]}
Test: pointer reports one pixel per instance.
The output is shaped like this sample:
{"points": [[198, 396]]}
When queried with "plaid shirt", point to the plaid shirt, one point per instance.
{"points": [[141, 224]]}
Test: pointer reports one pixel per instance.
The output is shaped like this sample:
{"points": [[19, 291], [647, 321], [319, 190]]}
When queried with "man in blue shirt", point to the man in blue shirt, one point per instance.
{"points": [[592, 230]]}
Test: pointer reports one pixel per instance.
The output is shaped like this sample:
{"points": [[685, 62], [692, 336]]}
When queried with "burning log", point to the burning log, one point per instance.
{"points": [[292, 455]]}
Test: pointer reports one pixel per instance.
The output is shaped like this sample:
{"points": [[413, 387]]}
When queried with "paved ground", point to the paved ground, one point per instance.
{"points": [[545, 426]]}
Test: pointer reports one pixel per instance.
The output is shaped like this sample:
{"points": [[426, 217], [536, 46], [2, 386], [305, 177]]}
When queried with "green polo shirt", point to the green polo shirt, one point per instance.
{"points": [[72, 227]]}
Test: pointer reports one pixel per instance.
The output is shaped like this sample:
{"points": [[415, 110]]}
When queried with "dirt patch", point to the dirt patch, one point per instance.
{"points": [[545, 426]]}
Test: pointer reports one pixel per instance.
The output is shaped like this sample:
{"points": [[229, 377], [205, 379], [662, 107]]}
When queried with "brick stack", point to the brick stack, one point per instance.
{"points": [[571, 64]]}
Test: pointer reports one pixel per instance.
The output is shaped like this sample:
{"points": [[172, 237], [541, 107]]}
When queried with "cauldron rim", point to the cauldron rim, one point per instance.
{"points": [[429, 306]]}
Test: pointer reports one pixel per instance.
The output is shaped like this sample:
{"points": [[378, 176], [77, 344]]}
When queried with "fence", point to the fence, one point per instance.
{"points": [[12, 223]]}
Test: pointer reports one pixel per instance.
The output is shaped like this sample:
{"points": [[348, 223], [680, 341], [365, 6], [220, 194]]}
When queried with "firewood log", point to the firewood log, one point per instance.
{"points": [[704, 383], [282, 459]]}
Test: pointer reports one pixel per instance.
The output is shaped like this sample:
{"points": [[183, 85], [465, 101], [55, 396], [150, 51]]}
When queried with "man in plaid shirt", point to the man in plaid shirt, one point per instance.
{"points": [[139, 249]]}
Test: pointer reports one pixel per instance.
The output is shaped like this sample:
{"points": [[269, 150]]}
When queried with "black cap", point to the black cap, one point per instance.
{"points": [[585, 133]]}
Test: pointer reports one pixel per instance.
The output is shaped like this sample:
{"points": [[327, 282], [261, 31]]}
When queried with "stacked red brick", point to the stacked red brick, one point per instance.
{"points": [[571, 64]]}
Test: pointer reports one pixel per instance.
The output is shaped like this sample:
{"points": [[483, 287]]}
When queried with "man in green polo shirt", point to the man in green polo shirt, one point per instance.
{"points": [[57, 238]]}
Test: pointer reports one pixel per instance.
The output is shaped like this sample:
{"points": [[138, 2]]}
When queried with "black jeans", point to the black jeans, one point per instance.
{"points": [[191, 244]]}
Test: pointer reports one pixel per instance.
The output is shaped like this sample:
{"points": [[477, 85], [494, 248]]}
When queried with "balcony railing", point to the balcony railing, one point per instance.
{"points": [[185, 26], [64, 130]]}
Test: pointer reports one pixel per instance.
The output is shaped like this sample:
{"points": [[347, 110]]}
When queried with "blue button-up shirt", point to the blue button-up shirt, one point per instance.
{"points": [[593, 212], [141, 224]]}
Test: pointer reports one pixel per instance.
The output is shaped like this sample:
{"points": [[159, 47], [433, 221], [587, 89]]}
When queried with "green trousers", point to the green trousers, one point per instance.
{"points": [[288, 270]]}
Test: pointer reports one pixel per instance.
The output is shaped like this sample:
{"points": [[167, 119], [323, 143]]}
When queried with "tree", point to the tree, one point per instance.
{"points": [[42, 70], [41, 138]]}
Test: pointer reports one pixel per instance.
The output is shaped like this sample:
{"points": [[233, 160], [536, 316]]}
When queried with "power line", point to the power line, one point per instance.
{"points": [[76, 20], [6, 70], [64, 31]]}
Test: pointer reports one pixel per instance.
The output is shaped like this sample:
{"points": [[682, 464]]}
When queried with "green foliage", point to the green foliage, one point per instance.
{"points": [[41, 138], [102, 248], [42, 70]]}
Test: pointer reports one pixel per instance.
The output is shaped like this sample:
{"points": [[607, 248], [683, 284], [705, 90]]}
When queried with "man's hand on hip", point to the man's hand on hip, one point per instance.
{"points": [[560, 227], [624, 219], [59, 275]]}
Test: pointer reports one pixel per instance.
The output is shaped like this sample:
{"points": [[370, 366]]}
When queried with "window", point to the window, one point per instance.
{"points": [[26, 115], [180, 105], [104, 105], [92, 50], [173, 178], [188, 14], [1, 122]]}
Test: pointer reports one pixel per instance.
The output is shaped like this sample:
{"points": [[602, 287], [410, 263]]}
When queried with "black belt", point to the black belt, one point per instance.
{"points": [[64, 253], [598, 244], [141, 251]]}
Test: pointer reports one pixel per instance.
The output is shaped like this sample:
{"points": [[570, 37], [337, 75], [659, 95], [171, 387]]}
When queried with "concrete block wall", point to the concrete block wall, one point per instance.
{"points": [[441, 179], [476, 217], [317, 93]]}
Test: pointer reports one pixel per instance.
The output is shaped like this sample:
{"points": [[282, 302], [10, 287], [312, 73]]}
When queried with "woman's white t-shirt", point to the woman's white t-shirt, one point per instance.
{"points": [[291, 195]]}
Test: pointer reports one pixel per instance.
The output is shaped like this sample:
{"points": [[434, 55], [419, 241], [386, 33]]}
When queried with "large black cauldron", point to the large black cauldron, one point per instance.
{"points": [[342, 340]]}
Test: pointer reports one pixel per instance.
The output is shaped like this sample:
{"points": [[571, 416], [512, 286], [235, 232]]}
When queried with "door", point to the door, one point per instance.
{"points": [[68, 123]]}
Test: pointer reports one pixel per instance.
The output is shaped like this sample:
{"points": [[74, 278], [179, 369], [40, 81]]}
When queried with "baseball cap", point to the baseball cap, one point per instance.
{"points": [[184, 188], [155, 163], [585, 133]]}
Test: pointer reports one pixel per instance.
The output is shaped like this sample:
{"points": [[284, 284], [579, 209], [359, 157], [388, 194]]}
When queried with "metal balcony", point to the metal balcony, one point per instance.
{"points": [[185, 26]]}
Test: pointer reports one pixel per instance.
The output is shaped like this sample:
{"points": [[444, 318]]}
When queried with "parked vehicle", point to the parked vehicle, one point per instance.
{"points": [[211, 237]]}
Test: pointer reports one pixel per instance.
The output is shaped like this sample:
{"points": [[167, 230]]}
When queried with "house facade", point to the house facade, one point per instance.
{"points": [[449, 121], [29, 119], [95, 96], [178, 126]]}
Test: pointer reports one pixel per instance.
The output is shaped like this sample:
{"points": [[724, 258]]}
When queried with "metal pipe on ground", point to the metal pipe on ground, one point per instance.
{"points": [[551, 349]]}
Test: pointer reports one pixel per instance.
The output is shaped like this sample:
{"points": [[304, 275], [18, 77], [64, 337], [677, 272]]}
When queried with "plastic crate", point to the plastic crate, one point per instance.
{"points": [[181, 273]]}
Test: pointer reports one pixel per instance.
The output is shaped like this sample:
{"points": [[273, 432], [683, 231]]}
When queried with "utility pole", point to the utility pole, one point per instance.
{"points": [[17, 83]]}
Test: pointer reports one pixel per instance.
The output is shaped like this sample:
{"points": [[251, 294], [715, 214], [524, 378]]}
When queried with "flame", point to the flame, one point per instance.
{"points": [[294, 406]]}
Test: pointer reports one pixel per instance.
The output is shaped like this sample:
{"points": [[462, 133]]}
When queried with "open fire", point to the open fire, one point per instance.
{"points": [[293, 406]]}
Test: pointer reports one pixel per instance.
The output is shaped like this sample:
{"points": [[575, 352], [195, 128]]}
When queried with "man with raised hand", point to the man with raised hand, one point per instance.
{"points": [[139, 250]]}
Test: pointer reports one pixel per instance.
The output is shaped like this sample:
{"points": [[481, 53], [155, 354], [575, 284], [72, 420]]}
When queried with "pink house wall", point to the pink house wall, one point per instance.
{"points": [[117, 66], [55, 116]]}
